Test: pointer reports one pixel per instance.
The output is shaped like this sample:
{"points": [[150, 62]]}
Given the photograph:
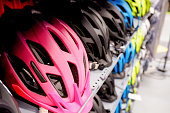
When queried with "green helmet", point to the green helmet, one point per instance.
{"points": [[137, 67], [134, 75], [129, 82], [137, 5], [129, 105], [138, 40], [135, 72], [148, 5], [134, 90], [143, 8], [133, 41]]}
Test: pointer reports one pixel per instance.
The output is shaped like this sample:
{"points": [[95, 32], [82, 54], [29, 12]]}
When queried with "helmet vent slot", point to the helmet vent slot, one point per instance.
{"points": [[22, 1], [128, 19], [137, 10], [93, 49], [84, 62], [40, 53], [4, 110], [25, 75], [114, 14], [111, 25], [91, 22], [59, 42], [102, 40], [73, 39], [58, 85], [74, 73], [122, 8], [95, 99], [130, 55], [82, 31], [38, 73], [79, 31]]}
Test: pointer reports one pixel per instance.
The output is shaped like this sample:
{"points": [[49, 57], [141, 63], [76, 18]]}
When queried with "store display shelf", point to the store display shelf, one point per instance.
{"points": [[133, 101], [146, 17], [112, 106], [120, 87], [122, 83], [97, 77], [128, 42], [142, 62], [152, 8], [147, 37]]}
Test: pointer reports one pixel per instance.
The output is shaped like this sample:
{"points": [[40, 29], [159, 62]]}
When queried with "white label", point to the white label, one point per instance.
{"points": [[134, 96], [152, 10]]}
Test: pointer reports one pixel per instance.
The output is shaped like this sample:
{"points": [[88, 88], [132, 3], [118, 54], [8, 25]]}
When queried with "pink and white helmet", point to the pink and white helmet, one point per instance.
{"points": [[47, 65]]}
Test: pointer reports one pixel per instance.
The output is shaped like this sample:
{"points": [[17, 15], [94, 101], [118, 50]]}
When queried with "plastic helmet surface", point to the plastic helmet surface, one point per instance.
{"points": [[148, 5], [118, 70], [113, 19], [46, 63], [139, 7], [97, 105], [94, 34], [120, 65], [137, 40], [118, 108], [125, 9], [107, 91], [129, 53]]}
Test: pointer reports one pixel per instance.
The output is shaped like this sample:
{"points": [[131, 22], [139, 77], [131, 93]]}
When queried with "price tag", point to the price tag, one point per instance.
{"points": [[152, 10], [134, 96]]}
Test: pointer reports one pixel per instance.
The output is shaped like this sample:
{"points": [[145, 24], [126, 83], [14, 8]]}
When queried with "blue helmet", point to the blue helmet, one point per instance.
{"points": [[125, 9], [120, 65], [118, 70], [118, 108], [125, 94], [129, 53]]}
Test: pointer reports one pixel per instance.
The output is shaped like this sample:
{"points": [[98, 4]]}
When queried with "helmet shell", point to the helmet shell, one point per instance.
{"points": [[46, 63]]}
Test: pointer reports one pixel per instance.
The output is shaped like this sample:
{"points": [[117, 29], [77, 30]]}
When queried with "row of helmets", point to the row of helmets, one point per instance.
{"points": [[125, 102], [46, 61]]}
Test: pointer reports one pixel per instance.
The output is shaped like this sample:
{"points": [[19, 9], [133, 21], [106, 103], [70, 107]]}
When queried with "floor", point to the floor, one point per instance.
{"points": [[155, 86]]}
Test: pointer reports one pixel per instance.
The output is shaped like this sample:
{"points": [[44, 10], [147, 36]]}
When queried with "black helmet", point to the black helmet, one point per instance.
{"points": [[113, 19], [107, 92], [94, 34], [97, 105], [7, 102]]}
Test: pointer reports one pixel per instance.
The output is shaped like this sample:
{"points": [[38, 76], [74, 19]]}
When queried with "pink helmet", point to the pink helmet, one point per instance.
{"points": [[47, 65]]}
